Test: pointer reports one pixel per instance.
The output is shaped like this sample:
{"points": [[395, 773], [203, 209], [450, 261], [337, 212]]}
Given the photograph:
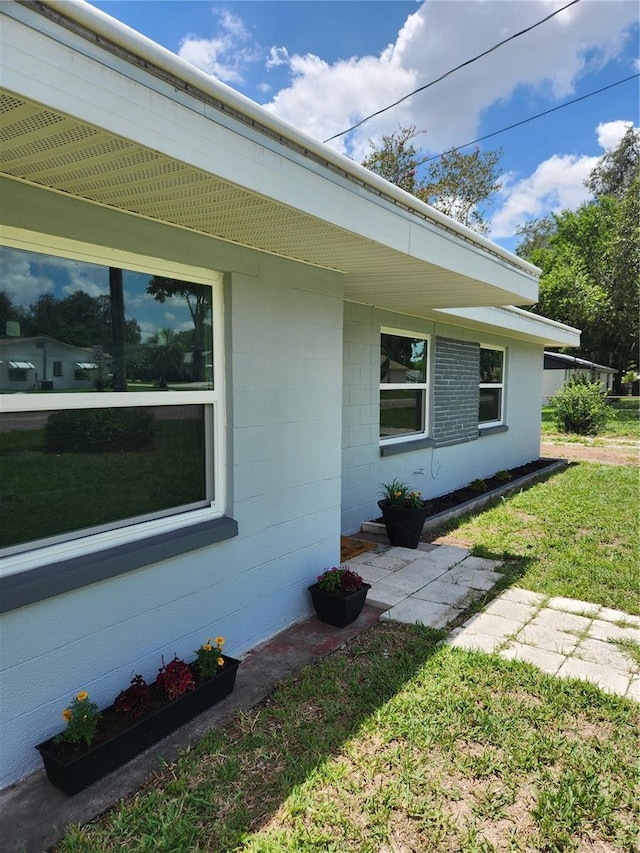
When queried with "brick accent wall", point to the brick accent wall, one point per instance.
{"points": [[456, 391]]}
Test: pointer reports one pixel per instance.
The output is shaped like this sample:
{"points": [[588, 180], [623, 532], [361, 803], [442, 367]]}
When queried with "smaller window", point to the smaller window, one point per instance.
{"points": [[491, 386], [57, 368], [403, 385]]}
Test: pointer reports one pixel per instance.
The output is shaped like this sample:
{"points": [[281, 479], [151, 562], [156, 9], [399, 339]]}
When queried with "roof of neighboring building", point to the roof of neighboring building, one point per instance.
{"points": [[558, 360]]}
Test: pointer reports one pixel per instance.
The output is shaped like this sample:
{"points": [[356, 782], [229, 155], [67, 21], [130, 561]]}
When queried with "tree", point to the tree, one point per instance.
{"points": [[457, 184], [198, 299], [617, 168], [590, 261]]}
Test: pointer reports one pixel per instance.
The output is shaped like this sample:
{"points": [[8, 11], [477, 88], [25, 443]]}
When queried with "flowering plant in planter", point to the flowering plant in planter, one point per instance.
{"points": [[209, 657], [338, 596], [96, 742], [403, 511], [81, 718], [338, 579], [398, 494]]}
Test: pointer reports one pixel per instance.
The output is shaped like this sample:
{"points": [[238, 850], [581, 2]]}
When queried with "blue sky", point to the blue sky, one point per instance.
{"points": [[322, 65]]}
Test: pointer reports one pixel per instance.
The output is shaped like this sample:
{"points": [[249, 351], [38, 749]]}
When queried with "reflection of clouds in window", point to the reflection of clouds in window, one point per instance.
{"points": [[17, 280], [80, 282]]}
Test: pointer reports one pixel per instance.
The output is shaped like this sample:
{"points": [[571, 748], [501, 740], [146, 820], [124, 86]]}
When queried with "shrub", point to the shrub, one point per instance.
{"points": [[503, 476], [478, 486], [99, 430], [580, 407]]}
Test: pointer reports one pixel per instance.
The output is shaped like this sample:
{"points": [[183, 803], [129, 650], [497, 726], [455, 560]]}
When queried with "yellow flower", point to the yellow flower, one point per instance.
{"points": [[207, 647], [82, 696], [67, 715], [220, 661], [219, 641]]}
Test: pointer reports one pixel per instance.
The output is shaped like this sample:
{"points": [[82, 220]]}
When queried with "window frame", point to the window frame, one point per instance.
{"points": [[390, 441], [494, 385], [128, 531]]}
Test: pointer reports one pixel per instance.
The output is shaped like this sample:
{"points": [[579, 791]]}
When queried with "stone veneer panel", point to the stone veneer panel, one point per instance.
{"points": [[456, 391]]}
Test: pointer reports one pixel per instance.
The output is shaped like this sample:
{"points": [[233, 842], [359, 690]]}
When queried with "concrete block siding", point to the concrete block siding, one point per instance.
{"points": [[459, 455], [283, 352]]}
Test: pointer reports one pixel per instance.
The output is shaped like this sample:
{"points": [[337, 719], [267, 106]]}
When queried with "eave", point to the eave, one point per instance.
{"points": [[125, 124]]}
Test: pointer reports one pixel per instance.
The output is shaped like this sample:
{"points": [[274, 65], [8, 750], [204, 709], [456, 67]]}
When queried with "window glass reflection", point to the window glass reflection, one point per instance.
{"points": [[73, 326]]}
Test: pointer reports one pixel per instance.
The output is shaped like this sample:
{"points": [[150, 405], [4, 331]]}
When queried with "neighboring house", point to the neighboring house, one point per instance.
{"points": [[44, 364], [132, 174], [559, 368]]}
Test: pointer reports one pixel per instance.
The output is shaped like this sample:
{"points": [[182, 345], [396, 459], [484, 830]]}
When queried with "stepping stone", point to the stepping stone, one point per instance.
{"points": [[429, 613]]}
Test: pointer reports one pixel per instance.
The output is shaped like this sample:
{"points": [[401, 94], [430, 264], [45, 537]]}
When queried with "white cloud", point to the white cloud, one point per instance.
{"points": [[325, 98], [556, 184], [226, 54], [610, 133], [277, 56], [21, 284]]}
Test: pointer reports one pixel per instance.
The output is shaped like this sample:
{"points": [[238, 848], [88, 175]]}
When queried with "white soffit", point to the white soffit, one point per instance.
{"points": [[515, 323], [191, 165]]}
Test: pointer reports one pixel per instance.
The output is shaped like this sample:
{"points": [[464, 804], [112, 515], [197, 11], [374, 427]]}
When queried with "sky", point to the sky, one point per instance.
{"points": [[324, 65]]}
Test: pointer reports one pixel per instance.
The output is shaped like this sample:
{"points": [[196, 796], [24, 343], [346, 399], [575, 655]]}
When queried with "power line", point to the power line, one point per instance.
{"points": [[447, 73], [526, 120]]}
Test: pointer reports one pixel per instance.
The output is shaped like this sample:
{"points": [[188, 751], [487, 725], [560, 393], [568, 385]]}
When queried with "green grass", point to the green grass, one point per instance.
{"points": [[624, 424], [397, 743], [575, 535]]}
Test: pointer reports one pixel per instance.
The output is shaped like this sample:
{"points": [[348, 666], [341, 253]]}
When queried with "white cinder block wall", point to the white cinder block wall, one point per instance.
{"points": [[433, 470], [284, 368]]}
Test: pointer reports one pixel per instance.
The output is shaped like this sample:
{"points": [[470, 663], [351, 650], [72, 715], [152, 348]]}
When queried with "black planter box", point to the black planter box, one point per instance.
{"points": [[338, 608], [101, 759], [404, 524]]}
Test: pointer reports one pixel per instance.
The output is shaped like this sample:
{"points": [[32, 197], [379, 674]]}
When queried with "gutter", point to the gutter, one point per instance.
{"points": [[111, 35]]}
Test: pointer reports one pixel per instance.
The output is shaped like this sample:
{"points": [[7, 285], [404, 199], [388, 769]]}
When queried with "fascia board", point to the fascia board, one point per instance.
{"points": [[515, 323], [122, 99]]}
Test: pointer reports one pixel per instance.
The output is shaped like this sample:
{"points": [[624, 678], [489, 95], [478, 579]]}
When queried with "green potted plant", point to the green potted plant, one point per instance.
{"points": [[403, 511], [339, 595], [96, 742]]}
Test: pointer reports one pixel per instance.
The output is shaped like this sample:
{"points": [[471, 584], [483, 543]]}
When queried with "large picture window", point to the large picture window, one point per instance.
{"points": [[403, 385], [491, 386], [117, 422]]}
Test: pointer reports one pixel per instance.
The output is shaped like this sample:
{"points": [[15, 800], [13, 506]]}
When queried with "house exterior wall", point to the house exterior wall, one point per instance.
{"points": [[439, 468], [42, 353], [553, 380], [283, 351]]}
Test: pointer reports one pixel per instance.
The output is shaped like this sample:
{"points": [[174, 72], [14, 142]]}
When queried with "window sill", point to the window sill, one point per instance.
{"points": [[65, 575], [492, 430], [405, 446]]}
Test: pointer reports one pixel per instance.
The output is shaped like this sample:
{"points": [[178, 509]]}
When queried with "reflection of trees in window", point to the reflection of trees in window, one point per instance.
{"points": [[405, 351], [198, 299], [491, 365]]}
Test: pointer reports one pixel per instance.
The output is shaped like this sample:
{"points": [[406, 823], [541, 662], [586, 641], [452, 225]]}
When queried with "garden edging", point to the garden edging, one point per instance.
{"points": [[476, 504]]}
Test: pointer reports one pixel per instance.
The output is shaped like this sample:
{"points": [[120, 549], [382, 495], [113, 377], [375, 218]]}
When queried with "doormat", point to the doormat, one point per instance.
{"points": [[350, 548]]}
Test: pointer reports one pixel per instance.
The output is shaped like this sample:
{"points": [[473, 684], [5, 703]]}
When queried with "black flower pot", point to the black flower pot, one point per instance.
{"points": [[338, 608], [96, 761], [404, 523]]}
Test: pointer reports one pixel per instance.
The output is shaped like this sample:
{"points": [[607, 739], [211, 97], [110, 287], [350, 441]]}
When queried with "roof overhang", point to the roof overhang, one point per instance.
{"points": [[515, 323], [93, 110]]}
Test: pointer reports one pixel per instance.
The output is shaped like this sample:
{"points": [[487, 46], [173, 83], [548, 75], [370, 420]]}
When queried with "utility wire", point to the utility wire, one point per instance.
{"points": [[526, 120], [447, 73]]}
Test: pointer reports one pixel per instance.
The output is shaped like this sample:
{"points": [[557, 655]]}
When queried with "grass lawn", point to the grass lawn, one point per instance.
{"points": [[624, 424], [575, 535], [397, 742]]}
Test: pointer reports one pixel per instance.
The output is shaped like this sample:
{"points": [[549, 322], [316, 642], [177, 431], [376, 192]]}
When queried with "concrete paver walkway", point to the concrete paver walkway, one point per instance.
{"points": [[561, 636]]}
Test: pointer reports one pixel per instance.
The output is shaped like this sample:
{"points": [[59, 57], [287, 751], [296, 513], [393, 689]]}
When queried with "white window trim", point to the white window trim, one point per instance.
{"points": [[33, 555], [395, 386], [500, 385]]}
